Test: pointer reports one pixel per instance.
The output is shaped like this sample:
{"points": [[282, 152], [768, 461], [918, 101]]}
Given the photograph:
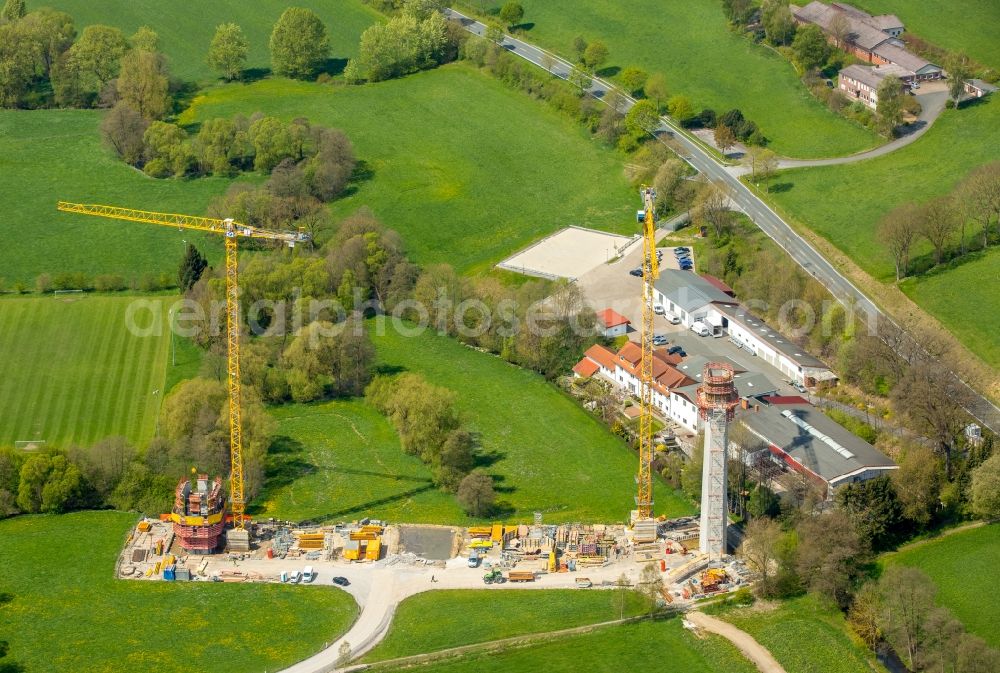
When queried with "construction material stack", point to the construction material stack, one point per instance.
{"points": [[199, 514], [364, 544]]}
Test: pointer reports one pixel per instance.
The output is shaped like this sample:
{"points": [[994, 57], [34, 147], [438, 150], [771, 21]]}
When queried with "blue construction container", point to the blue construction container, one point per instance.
{"points": [[170, 573]]}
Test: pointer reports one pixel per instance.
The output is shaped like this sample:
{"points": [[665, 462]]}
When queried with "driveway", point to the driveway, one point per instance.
{"points": [[932, 99]]}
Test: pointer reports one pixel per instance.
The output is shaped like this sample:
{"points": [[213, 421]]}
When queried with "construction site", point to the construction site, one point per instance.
{"points": [[200, 541]]}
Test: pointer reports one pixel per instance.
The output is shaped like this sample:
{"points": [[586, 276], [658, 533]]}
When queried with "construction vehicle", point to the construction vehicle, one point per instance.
{"points": [[494, 576], [232, 230], [650, 272]]}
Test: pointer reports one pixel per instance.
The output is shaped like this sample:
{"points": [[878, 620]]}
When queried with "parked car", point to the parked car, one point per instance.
{"points": [[341, 581], [681, 248], [294, 577], [636, 272], [677, 350], [687, 266], [660, 340], [799, 387], [700, 328], [308, 574], [659, 310]]}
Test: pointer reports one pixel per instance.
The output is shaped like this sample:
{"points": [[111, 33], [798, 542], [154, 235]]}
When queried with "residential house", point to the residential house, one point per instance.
{"points": [[804, 439], [611, 323]]}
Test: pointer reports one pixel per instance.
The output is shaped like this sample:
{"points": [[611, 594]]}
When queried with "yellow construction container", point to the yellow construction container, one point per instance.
{"points": [[352, 550], [481, 531], [497, 533], [144, 526], [373, 550], [371, 528], [364, 535]]}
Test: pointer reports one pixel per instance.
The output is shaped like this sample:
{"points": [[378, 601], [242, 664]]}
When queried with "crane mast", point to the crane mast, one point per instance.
{"points": [[231, 230], [650, 272]]}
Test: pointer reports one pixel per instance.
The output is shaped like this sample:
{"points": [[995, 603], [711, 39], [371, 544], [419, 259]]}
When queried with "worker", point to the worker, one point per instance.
{"points": [[432, 579]]}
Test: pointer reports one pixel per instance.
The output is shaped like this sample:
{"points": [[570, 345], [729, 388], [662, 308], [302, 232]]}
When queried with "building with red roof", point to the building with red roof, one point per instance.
{"points": [[612, 323]]}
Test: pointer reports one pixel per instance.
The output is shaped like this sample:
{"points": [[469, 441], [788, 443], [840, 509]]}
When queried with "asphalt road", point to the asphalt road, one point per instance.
{"points": [[742, 199]]}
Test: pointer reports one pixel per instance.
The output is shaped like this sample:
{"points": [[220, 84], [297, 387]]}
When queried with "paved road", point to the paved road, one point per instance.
{"points": [[743, 199], [743, 641]]}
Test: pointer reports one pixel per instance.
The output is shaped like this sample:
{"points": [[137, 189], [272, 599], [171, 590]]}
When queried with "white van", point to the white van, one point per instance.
{"points": [[671, 318], [294, 577], [700, 328], [308, 575]]}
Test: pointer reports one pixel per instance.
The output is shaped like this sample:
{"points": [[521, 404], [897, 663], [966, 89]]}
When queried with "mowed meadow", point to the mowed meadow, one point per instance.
{"points": [[63, 610], [186, 34], [341, 460], [71, 372], [466, 170], [845, 204], [690, 43]]}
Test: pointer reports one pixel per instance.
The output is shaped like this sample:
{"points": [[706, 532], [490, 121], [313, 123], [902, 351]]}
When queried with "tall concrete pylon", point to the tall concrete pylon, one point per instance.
{"points": [[717, 398]]}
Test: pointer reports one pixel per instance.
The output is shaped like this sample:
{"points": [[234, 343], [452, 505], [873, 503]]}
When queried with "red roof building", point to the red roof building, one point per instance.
{"points": [[719, 285], [612, 323]]}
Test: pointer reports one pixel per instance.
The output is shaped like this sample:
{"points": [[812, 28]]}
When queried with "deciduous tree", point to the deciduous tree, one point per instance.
{"points": [[986, 489], [724, 137], [633, 79], [145, 39], [938, 223], [810, 47], [918, 483], [595, 55], [299, 43], [13, 10], [779, 26], [97, 55], [890, 105], [829, 555], [680, 108], [122, 129], [642, 118], [144, 84], [476, 494], [656, 89], [760, 550], [227, 54], [512, 13], [897, 231]]}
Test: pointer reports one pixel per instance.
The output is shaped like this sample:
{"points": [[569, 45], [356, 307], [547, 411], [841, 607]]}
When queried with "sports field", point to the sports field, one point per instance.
{"points": [[805, 636], [71, 372], [966, 26], [465, 169], [68, 613], [963, 567], [185, 34], [438, 620], [690, 43], [957, 143], [342, 459], [650, 646]]}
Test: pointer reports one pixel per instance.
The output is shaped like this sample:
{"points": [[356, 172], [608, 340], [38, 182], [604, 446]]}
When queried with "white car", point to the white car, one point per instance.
{"points": [[700, 328], [659, 310], [308, 574], [294, 577]]}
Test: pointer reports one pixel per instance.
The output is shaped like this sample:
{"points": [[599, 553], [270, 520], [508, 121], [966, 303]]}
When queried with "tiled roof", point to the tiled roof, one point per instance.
{"points": [[611, 318], [586, 367], [901, 57], [602, 356]]}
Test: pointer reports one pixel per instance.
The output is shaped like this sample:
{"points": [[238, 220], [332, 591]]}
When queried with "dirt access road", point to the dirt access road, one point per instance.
{"points": [[743, 641]]}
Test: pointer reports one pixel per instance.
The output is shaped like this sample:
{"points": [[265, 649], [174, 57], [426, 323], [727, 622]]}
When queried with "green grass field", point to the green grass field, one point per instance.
{"points": [[965, 26], [650, 646], [845, 203], [466, 170], [438, 620], [805, 636], [185, 35], [56, 155], [953, 295], [690, 43], [963, 566], [67, 613], [342, 459], [71, 371]]}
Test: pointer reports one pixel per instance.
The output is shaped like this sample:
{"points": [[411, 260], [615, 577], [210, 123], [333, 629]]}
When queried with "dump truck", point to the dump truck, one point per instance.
{"points": [[521, 576]]}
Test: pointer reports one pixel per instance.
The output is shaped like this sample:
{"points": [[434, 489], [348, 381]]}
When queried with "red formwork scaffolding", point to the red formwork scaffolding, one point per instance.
{"points": [[199, 514]]}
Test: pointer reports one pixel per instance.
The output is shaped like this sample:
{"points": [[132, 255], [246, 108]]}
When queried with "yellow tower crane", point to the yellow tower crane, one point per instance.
{"points": [[650, 272], [231, 230]]}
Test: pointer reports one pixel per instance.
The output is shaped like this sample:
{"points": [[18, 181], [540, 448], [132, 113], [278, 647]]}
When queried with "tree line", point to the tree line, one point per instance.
{"points": [[431, 428], [973, 204]]}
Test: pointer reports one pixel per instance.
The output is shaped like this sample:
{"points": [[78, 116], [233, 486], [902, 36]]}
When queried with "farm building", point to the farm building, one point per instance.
{"points": [[977, 88], [873, 39], [802, 438], [611, 323]]}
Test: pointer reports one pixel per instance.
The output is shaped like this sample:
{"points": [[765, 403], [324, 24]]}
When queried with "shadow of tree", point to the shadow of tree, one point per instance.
{"points": [[609, 71], [523, 26], [365, 507], [251, 75], [781, 187], [333, 67]]}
